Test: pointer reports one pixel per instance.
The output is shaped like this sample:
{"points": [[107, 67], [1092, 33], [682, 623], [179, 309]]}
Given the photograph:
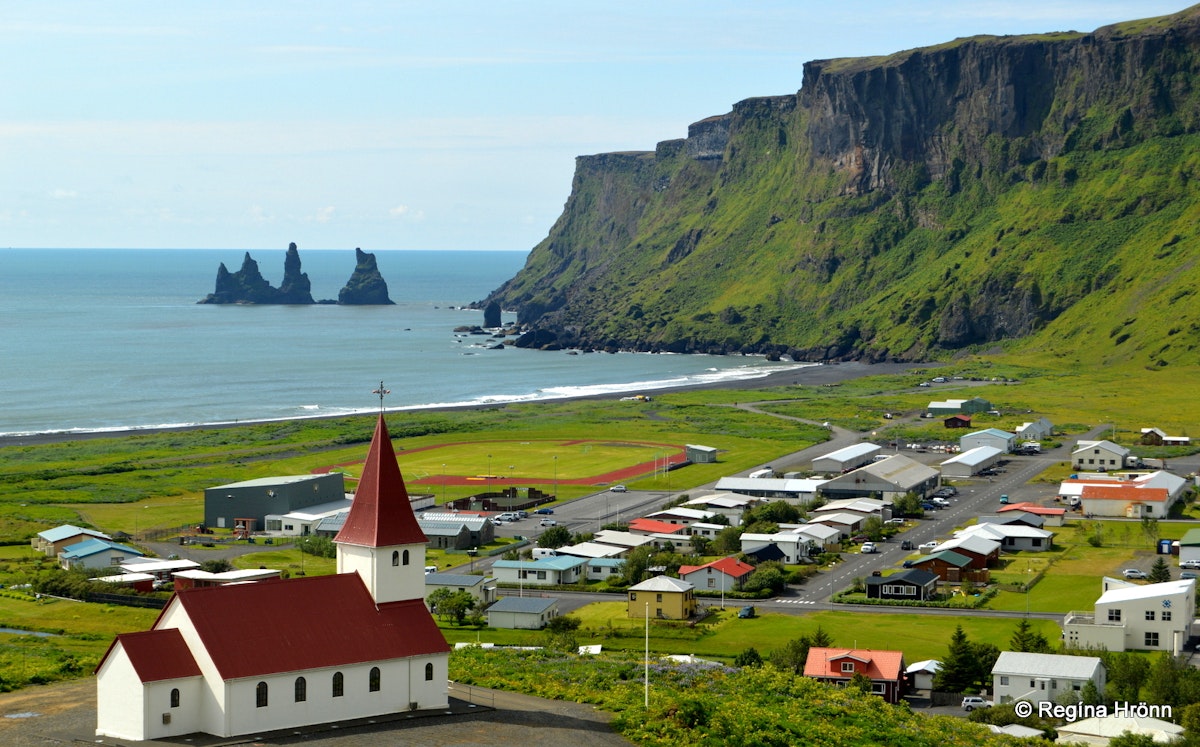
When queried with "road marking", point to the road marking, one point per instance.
{"points": [[795, 601]]}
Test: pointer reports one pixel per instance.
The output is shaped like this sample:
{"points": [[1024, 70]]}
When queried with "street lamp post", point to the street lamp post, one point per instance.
{"points": [[443, 483], [489, 474]]}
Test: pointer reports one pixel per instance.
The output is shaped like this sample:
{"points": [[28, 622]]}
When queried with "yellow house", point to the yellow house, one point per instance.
{"points": [[662, 597]]}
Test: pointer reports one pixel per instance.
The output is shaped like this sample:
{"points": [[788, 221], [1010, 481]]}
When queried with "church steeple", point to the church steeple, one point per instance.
{"points": [[381, 538]]}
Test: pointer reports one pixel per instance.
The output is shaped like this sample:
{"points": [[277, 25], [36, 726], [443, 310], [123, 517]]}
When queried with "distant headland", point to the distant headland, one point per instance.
{"points": [[366, 287]]}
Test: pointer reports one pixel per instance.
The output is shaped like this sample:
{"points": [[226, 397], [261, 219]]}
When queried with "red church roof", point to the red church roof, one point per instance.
{"points": [[157, 655], [287, 625], [381, 515]]}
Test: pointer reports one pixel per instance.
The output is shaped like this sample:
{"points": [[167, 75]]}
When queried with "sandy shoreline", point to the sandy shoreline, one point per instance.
{"points": [[830, 373]]}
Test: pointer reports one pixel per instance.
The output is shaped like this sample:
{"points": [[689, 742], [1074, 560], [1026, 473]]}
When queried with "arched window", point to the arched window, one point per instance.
{"points": [[175, 697], [337, 684], [429, 673], [395, 557], [301, 690], [373, 684], [261, 695], [406, 557]]}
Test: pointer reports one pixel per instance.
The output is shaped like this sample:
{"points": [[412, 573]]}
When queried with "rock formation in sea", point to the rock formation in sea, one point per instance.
{"points": [[366, 286], [248, 286], [491, 315]]}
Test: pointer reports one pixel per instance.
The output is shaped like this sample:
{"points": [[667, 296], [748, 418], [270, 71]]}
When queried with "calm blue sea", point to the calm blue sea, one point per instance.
{"points": [[111, 339]]}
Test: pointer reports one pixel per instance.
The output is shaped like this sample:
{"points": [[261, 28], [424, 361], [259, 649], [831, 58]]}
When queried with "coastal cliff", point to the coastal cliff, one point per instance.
{"points": [[990, 190], [247, 286]]}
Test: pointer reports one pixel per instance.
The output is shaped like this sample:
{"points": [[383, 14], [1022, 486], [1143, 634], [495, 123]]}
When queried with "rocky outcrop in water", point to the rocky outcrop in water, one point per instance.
{"points": [[247, 286], [366, 286]]}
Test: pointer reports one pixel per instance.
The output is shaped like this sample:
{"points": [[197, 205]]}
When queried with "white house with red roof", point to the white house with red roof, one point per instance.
{"points": [[258, 657], [837, 666], [726, 574]]}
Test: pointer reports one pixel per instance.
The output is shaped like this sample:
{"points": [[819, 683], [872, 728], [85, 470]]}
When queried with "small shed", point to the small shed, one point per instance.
{"points": [[697, 454], [957, 421]]}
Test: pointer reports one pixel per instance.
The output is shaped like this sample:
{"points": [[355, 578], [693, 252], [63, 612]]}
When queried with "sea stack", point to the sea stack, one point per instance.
{"points": [[366, 287]]}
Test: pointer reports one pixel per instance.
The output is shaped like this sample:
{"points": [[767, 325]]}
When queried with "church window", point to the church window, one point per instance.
{"points": [[373, 685], [175, 697], [301, 690], [260, 695], [338, 681], [395, 557], [429, 673], [406, 557]]}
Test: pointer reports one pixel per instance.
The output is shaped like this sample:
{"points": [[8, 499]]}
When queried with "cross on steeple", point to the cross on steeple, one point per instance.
{"points": [[382, 393]]}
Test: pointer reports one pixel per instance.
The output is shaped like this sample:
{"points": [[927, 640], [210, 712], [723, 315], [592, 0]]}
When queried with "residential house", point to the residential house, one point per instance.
{"points": [[662, 597], [1099, 456], [725, 574], [886, 479], [1125, 495], [983, 552], [1014, 517], [729, 505], [522, 613], [847, 523], [482, 589], [1044, 677], [951, 567], [1158, 437], [1012, 537], [1189, 546], [647, 527], [706, 530], [1037, 430], [628, 541], [792, 546], [1051, 515], [821, 536], [1130, 617], [837, 666], [971, 462], [911, 583], [680, 515], [1101, 730], [53, 541], [594, 550], [842, 460], [556, 571], [254, 658], [96, 553], [880, 509], [957, 421], [602, 569], [994, 437]]}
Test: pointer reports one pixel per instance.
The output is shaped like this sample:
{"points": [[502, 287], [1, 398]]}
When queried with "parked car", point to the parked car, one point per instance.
{"points": [[940, 502], [545, 511], [619, 489], [746, 612], [1186, 575], [1134, 573], [927, 545], [867, 548], [498, 521], [929, 506], [1004, 498], [895, 522], [906, 545], [1193, 564], [547, 523], [971, 702]]}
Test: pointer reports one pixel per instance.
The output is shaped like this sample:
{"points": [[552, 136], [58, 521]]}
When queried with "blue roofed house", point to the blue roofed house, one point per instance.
{"points": [[525, 613], [600, 569], [555, 571], [96, 553], [52, 541]]}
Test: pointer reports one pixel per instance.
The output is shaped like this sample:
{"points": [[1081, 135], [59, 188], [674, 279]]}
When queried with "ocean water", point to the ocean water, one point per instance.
{"points": [[113, 339]]}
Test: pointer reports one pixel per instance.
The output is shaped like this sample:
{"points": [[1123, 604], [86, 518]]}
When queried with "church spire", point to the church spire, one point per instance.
{"points": [[381, 515]]}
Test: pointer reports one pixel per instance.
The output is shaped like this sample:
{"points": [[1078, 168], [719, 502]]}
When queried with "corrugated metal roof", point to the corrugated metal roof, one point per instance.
{"points": [[66, 531], [304, 623], [381, 515], [453, 579], [663, 583], [524, 605], [853, 451], [157, 655], [1046, 665]]}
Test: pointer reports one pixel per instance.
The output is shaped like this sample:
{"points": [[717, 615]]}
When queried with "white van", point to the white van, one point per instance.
{"points": [[544, 552]]}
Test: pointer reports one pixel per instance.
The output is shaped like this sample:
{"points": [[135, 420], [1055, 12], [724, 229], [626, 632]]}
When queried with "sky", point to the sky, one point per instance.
{"points": [[392, 124]]}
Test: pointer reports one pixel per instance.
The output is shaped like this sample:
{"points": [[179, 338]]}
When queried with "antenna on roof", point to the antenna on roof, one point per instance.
{"points": [[382, 393]]}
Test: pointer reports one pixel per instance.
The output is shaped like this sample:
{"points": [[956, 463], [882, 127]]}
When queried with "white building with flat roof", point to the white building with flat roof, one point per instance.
{"points": [[1135, 617]]}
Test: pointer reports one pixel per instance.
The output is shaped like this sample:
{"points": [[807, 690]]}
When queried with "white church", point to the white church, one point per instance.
{"points": [[256, 657]]}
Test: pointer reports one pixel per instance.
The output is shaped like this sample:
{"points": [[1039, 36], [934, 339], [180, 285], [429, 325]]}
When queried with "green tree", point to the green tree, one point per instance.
{"points": [[317, 546], [451, 605], [1127, 673], [792, 655], [1159, 572], [860, 682], [908, 504], [873, 528], [1129, 739], [555, 537], [1090, 694], [700, 545], [216, 566], [983, 656], [769, 575], [633, 571], [1151, 530], [728, 541], [957, 673], [1026, 639], [561, 633]]}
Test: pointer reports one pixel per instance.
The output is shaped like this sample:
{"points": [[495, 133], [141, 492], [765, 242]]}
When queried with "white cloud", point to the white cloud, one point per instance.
{"points": [[399, 211], [63, 194], [325, 214]]}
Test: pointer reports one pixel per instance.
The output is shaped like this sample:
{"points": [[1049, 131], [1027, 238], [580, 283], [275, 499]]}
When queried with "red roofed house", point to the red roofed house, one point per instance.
{"points": [[1054, 516], [725, 574], [1126, 500], [885, 669], [251, 658], [653, 526]]}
